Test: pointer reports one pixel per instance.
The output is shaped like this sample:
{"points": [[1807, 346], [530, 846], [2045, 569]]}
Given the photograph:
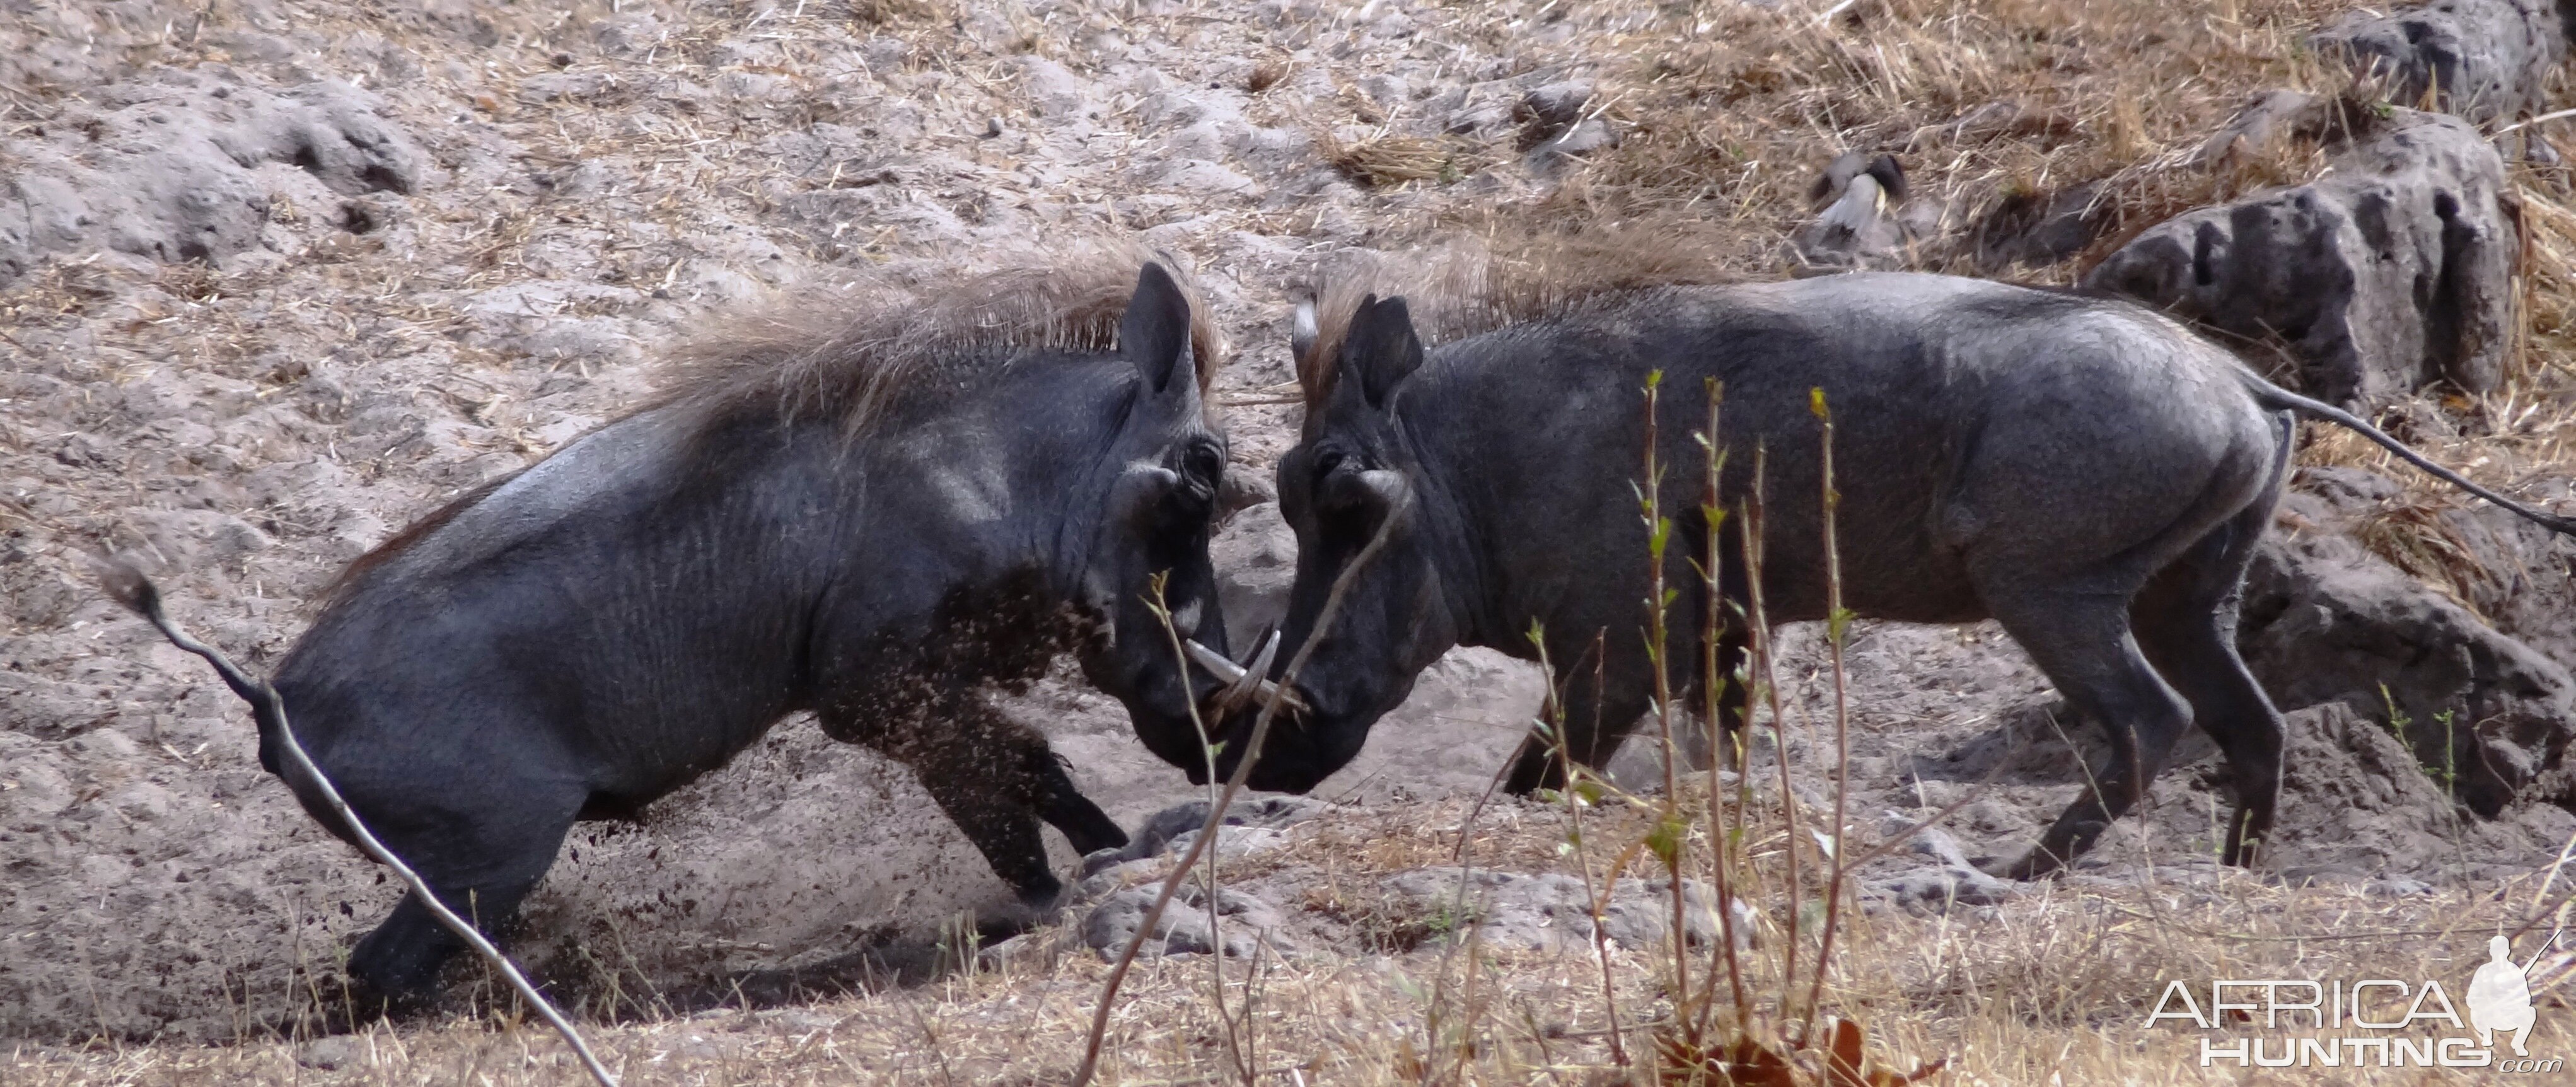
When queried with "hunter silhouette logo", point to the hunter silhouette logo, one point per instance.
{"points": [[2500, 998], [2367, 1022]]}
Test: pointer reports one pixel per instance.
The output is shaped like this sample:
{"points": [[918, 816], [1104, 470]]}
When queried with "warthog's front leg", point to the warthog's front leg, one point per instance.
{"points": [[1083, 824], [996, 778]]}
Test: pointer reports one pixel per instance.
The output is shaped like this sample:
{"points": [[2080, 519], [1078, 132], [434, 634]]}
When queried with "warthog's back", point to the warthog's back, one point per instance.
{"points": [[1970, 416], [578, 603]]}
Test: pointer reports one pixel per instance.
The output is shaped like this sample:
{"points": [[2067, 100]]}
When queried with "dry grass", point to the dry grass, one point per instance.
{"points": [[1266, 73], [1987, 103], [2054, 987], [1395, 158], [884, 12], [2414, 535]]}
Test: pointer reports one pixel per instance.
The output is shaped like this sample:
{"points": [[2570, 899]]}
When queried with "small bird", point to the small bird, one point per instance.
{"points": [[1868, 189], [1858, 226]]}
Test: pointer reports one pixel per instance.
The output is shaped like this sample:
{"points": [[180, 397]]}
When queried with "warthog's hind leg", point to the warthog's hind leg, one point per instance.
{"points": [[2081, 639], [482, 848], [2186, 624]]}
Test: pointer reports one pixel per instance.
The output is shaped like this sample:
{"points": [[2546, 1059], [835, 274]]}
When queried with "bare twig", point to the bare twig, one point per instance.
{"points": [[1713, 696], [130, 588], [1837, 632], [1207, 752], [1234, 785], [1659, 533], [1554, 709], [1758, 631]]}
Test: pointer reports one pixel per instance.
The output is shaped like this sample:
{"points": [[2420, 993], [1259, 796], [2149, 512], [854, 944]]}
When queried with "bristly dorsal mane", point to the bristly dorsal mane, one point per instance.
{"points": [[853, 352], [1465, 285]]}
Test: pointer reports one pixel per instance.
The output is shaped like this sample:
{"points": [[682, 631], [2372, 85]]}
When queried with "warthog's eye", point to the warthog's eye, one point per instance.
{"points": [[1204, 464], [1202, 474]]}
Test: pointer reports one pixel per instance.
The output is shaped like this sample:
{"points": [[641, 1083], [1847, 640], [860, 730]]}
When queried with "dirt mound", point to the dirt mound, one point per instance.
{"points": [[193, 166]]}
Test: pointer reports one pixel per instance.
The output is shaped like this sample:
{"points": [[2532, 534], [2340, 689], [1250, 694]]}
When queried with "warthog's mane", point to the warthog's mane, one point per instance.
{"points": [[1465, 285], [851, 353]]}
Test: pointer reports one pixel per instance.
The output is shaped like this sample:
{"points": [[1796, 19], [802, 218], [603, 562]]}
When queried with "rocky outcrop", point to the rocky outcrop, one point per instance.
{"points": [[1950, 879], [2481, 59], [2326, 622], [2360, 798], [1119, 885], [2390, 272], [196, 166], [1247, 923], [1172, 829], [2519, 576], [1288, 911]]}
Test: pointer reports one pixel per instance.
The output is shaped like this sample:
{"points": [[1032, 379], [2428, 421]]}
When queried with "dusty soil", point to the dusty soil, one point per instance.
{"points": [[252, 353], [580, 187]]}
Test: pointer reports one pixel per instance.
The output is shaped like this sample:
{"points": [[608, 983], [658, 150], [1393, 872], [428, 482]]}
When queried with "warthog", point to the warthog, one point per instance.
{"points": [[2084, 471], [868, 511]]}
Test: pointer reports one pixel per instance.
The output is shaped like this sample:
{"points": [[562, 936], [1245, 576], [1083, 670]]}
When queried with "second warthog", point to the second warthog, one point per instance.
{"points": [[2086, 472]]}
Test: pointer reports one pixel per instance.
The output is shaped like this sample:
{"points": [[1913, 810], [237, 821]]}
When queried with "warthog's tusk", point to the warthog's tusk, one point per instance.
{"points": [[1253, 672], [1239, 679]]}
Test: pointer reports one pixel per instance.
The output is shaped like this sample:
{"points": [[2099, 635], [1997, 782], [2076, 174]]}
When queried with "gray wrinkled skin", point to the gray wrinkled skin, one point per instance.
{"points": [[634, 610], [2083, 471]]}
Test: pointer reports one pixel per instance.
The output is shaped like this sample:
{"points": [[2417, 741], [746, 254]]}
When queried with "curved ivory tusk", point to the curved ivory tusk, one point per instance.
{"points": [[1254, 672], [1236, 676]]}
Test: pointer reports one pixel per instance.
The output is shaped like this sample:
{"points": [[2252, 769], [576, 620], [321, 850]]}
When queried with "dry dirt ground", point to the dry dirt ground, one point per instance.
{"points": [[291, 273]]}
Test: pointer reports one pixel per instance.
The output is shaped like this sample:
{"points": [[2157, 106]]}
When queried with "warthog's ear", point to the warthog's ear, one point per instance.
{"points": [[1302, 333], [1380, 350], [1155, 332]]}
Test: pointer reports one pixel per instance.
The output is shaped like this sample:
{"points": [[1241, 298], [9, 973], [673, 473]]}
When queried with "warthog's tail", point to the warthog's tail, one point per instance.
{"points": [[127, 585], [2276, 397]]}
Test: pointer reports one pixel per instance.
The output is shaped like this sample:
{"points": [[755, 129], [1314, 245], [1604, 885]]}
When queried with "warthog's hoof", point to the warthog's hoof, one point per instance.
{"points": [[2036, 864], [1102, 860], [345, 1005], [1039, 902]]}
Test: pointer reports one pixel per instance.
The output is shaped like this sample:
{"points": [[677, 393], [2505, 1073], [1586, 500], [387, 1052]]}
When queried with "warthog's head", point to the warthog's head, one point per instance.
{"points": [[1150, 542], [1364, 522]]}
